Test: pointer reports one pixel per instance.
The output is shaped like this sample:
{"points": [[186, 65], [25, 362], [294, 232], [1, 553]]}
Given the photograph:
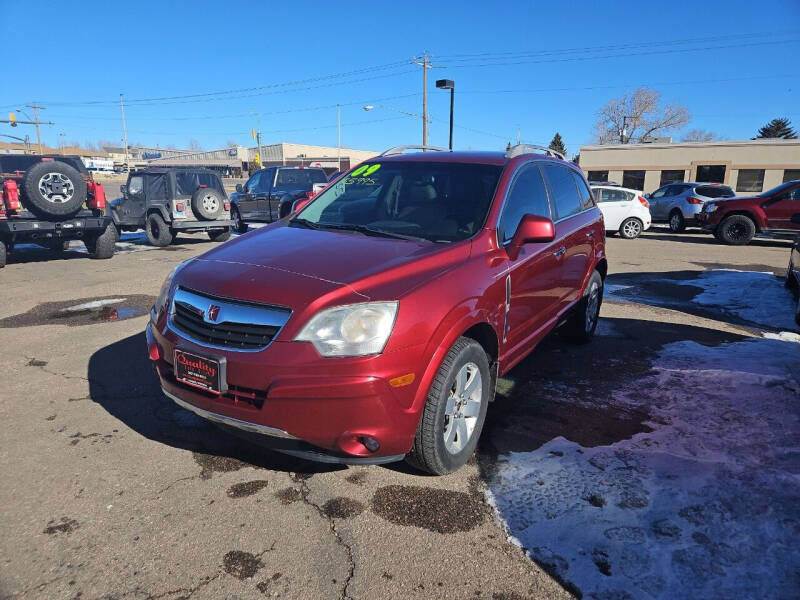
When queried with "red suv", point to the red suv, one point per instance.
{"points": [[373, 324], [736, 221]]}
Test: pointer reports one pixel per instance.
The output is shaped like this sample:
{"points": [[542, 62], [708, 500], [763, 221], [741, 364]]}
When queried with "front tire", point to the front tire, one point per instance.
{"points": [[157, 232], [677, 224], [581, 325], [104, 245], [631, 228], [239, 226], [455, 409], [737, 230]]}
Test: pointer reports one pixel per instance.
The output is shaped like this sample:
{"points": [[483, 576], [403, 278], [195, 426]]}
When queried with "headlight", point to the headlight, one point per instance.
{"points": [[352, 330], [710, 207], [163, 296]]}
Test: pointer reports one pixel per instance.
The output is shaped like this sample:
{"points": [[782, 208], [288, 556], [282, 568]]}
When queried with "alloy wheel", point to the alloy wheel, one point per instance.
{"points": [[592, 307], [56, 188], [632, 229], [463, 407]]}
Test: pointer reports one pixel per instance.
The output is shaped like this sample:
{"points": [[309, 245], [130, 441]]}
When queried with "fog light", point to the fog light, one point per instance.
{"points": [[370, 443]]}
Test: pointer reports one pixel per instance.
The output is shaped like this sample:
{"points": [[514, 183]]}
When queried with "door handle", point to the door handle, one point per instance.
{"points": [[590, 234], [561, 251]]}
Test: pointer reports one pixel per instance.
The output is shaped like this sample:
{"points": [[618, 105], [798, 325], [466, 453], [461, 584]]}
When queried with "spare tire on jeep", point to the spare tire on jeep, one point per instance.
{"points": [[207, 203], [53, 190]]}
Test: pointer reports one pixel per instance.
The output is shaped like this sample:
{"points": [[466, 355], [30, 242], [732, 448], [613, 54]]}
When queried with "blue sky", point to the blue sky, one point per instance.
{"points": [[544, 67]]}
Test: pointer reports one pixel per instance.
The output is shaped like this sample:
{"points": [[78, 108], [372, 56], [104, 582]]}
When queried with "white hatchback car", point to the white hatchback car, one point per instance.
{"points": [[623, 209]]}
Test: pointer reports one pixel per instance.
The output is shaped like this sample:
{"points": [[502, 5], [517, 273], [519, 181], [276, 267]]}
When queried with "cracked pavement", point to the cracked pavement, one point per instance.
{"points": [[111, 491]]}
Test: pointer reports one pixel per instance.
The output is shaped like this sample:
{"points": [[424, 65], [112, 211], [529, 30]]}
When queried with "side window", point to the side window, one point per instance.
{"points": [[528, 195], [604, 195], [660, 192], [583, 191], [251, 184], [136, 185], [563, 191], [266, 181]]}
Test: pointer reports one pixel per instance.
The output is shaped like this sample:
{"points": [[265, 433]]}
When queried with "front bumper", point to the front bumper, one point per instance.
{"points": [[296, 402]]}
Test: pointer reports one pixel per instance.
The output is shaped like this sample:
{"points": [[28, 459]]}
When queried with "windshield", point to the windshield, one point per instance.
{"points": [[778, 189], [440, 202], [299, 178]]}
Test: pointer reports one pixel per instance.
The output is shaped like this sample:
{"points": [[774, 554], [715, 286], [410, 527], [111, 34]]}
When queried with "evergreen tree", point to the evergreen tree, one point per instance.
{"points": [[557, 144], [777, 128]]}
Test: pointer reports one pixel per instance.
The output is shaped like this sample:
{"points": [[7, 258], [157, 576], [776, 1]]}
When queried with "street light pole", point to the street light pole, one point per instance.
{"points": [[124, 134], [339, 136], [449, 84]]}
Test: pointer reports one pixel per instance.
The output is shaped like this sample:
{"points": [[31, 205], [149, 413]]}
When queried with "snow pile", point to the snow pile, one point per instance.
{"points": [[707, 505]]}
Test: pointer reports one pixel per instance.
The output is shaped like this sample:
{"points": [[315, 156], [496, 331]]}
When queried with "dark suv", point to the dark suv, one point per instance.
{"points": [[373, 324], [167, 201], [269, 194]]}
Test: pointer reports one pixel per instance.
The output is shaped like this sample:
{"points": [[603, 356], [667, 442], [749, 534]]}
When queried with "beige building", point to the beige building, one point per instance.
{"points": [[749, 166]]}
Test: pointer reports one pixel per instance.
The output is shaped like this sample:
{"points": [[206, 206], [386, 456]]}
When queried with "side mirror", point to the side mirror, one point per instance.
{"points": [[239, 188], [532, 229], [124, 189], [647, 196], [796, 218]]}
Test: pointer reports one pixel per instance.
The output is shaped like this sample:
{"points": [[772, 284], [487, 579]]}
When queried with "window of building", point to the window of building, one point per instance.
{"points": [[670, 176], [791, 175], [527, 196], [750, 180], [633, 180], [711, 173], [599, 176], [563, 191]]}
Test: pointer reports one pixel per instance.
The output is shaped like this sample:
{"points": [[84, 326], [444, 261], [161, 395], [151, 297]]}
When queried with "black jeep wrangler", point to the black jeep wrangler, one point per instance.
{"points": [[166, 201]]}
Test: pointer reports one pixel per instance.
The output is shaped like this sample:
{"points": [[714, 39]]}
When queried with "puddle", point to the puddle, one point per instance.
{"points": [[241, 565], [342, 508], [246, 488], [84, 311], [441, 511], [64, 526]]}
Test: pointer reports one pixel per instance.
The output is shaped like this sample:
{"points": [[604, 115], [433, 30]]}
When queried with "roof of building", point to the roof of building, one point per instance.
{"points": [[718, 144]]}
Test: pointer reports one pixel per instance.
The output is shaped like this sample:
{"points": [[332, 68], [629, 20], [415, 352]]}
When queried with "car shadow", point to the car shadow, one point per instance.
{"points": [[688, 238], [31, 253], [122, 381]]}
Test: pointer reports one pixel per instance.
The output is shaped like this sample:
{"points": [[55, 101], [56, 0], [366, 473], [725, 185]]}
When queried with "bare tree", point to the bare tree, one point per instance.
{"points": [[700, 135], [195, 145], [638, 117], [89, 145]]}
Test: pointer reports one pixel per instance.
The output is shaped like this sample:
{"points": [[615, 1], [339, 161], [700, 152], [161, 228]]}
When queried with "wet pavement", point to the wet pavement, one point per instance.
{"points": [[125, 495]]}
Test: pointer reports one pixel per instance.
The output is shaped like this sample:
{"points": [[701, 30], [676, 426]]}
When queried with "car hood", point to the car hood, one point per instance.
{"points": [[291, 266]]}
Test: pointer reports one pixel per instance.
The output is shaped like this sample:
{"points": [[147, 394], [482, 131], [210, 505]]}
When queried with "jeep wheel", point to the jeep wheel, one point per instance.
{"points": [[207, 204], [582, 323], [219, 235], [737, 230], [104, 245], [454, 411], [676, 222], [53, 190], [631, 228], [239, 226], [158, 234]]}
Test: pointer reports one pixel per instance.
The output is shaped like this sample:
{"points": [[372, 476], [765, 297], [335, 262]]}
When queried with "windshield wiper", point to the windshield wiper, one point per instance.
{"points": [[304, 223], [375, 232]]}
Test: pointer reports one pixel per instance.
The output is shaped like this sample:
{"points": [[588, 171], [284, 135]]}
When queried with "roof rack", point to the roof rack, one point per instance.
{"points": [[401, 149], [528, 148]]}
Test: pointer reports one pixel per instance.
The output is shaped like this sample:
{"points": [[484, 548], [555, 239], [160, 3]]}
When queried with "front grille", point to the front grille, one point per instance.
{"points": [[230, 335], [236, 325]]}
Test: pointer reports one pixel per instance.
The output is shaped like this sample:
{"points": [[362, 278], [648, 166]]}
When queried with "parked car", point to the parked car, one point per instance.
{"points": [[793, 271], [373, 325], [624, 210], [165, 201], [679, 203], [738, 220], [269, 193]]}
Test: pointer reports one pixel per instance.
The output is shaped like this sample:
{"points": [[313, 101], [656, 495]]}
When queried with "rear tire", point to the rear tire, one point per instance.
{"points": [[157, 232], [737, 230], [239, 226], [581, 325], [454, 411], [677, 224], [207, 204], [53, 190], [219, 235], [631, 228], [105, 244]]}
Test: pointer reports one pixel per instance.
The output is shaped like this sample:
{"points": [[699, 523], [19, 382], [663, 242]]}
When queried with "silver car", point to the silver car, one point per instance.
{"points": [[679, 203]]}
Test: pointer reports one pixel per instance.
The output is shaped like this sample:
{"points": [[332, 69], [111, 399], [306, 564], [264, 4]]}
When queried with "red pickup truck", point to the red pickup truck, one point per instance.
{"points": [[736, 221]]}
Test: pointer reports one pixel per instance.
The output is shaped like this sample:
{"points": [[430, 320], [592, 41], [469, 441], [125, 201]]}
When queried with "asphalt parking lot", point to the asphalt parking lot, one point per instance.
{"points": [[659, 461]]}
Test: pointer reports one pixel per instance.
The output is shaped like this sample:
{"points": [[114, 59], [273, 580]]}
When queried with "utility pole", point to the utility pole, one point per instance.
{"points": [[624, 131], [425, 64], [36, 108], [124, 134], [339, 136]]}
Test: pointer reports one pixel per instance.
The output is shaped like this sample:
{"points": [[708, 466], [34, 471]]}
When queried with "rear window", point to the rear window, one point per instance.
{"points": [[300, 178], [715, 191], [186, 183]]}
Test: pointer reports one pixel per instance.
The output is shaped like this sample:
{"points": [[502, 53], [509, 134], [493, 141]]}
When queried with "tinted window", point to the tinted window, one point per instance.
{"points": [[251, 184], [583, 192], [597, 176], [750, 180], [791, 175], [710, 173], [563, 192], [187, 182], [527, 196], [633, 179], [157, 187], [715, 191], [300, 178], [607, 195], [671, 175]]}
